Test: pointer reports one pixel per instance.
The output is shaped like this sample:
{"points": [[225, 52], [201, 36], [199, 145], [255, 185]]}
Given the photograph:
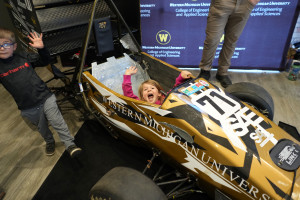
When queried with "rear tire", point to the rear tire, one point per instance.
{"points": [[253, 95], [122, 183]]}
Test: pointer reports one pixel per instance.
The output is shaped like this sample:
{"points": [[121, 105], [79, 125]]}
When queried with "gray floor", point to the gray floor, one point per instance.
{"points": [[24, 165]]}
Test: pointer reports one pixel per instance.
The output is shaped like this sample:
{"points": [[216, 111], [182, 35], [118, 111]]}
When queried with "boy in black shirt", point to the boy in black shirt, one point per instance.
{"points": [[31, 94]]}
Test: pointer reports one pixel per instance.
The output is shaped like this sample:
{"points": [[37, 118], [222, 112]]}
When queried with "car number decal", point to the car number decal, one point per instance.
{"points": [[233, 118]]}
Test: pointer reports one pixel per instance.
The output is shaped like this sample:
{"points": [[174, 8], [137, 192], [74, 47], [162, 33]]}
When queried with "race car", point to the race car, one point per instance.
{"points": [[225, 141], [221, 142]]}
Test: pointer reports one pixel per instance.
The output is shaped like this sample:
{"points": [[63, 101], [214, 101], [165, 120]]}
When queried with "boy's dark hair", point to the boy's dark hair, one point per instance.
{"points": [[7, 34]]}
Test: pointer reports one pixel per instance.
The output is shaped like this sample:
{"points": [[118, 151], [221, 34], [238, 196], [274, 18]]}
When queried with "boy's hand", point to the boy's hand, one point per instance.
{"points": [[36, 40], [131, 70], [186, 74]]}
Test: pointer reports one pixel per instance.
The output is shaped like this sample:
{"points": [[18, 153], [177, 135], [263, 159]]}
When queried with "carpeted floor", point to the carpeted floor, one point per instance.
{"points": [[71, 179]]}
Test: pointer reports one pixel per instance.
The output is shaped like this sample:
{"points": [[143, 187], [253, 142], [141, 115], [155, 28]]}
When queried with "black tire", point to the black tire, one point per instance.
{"points": [[253, 95], [122, 183]]}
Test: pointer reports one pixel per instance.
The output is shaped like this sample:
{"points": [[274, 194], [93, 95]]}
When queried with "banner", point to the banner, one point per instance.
{"points": [[174, 31]]}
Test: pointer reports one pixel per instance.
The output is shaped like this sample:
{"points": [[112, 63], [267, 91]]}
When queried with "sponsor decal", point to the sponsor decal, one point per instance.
{"points": [[288, 155], [194, 87]]}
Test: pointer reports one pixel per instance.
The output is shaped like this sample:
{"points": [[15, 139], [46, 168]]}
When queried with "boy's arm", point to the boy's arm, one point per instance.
{"points": [[41, 59], [44, 57]]}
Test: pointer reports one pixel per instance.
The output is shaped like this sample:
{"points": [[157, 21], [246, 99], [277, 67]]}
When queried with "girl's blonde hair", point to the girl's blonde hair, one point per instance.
{"points": [[7, 34], [155, 84]]}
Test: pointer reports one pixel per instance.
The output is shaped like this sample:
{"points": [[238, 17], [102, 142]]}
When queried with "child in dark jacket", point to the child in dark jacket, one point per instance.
{"points": [[36, 102], [149, 90]]}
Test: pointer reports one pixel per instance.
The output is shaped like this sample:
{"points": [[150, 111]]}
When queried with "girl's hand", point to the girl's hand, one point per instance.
{"points": [[186, 74], [131, 70], [36, 40]]}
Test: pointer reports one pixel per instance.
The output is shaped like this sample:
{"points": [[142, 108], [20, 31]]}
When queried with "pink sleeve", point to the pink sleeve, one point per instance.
{"points": [[127, 87], [179, 80]]}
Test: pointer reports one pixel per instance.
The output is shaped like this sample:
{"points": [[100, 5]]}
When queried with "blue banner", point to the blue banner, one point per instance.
{"points": [[174, 31]]}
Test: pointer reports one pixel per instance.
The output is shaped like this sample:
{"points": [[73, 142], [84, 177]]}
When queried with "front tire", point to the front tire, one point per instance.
{"points": [[122, 183]]}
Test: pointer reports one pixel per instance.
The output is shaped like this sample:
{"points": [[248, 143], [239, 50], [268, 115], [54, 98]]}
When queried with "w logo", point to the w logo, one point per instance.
{"points": [[163, 37]]}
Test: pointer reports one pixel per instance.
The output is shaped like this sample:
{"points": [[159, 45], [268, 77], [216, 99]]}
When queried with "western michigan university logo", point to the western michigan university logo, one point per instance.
{"points": [[163, 37]]}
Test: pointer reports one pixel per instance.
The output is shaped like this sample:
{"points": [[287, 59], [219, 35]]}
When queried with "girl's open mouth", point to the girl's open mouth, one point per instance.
{"points": [[150, 96]]}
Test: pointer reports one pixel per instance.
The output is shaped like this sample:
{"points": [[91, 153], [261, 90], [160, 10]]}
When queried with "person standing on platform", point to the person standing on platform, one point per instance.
{"points": [[36, 102], [227, 17]]}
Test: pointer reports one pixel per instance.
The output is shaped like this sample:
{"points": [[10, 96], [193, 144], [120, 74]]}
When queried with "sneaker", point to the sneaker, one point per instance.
{"points": [[50, 148], [204, 74], [224, 80], [74, 151]]}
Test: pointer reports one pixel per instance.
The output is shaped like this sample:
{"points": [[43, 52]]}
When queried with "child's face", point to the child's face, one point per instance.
{"points": [[7, 52], [150, 93]]}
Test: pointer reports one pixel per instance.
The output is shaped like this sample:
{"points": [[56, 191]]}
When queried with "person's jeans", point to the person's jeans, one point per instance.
{"points": [[49, 112]]}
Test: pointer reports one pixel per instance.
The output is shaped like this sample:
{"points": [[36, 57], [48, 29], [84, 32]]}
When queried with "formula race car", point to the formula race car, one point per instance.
{"points": [[220, 142], [231, 148]]}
